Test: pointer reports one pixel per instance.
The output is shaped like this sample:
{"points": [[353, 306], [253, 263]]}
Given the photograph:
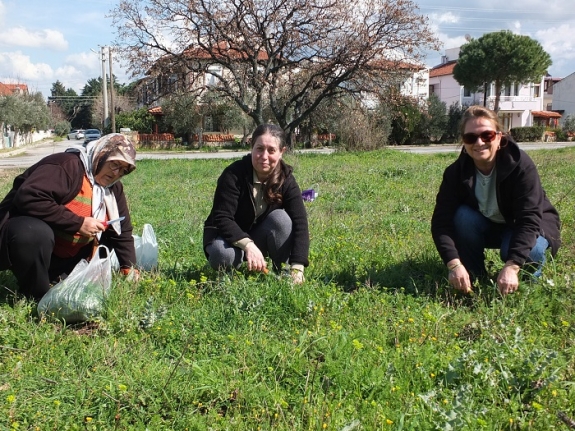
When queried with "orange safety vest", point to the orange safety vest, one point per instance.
{"points": [[68, 245]]}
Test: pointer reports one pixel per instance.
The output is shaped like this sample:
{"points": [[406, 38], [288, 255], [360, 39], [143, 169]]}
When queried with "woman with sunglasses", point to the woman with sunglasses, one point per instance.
{"points": [[58, 210], [491, 197]]}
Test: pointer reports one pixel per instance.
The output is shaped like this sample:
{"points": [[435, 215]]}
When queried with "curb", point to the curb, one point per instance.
{"points": [[5, 152]]}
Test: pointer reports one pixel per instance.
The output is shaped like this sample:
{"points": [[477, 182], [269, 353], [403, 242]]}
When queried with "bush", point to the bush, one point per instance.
{"points": [[528, 134], [434, 120], [361, 131], [560, 135], [454, 117], [569, 124], [62, 128], [406, 123]]}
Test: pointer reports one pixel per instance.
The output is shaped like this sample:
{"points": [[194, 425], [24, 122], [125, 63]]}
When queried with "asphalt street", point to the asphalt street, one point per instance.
{"points": [[25, 156]]}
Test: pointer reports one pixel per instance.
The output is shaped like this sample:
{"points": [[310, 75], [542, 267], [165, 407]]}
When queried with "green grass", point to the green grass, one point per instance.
{"points": [[374, 340]]}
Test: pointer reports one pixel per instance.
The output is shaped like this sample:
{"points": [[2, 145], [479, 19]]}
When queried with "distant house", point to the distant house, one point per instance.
{"points": [[411, 80], [9, 89], [521, 104], [549, 83], [170, 75], [564, 96]]}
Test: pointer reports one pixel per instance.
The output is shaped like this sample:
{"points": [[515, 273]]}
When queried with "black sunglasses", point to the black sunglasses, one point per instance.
{"points": [[487, 136]]}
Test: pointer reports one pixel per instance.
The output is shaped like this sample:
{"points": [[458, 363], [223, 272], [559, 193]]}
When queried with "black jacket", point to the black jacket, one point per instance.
{"points": [[43, 189], [233, 212], [520, 196]]}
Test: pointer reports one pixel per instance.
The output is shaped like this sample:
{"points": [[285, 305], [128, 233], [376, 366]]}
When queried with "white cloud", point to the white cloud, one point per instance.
{"points": [[448, 17], [20, 36], [558, 41], [15, 65]]}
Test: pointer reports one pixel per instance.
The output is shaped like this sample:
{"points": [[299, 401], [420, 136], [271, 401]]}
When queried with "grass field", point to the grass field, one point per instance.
{"points": [[374, 340]]}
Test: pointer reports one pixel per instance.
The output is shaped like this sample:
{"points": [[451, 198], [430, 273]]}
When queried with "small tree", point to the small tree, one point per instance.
{"points": [[569, 124], [434, 120], [406, 121], [454, 116], [24, 113], [61, 128], [181, 114], [501, 58], [139, 120]]}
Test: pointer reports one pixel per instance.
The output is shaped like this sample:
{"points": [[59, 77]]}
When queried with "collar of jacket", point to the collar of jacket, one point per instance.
{"points": [[507, 159]]}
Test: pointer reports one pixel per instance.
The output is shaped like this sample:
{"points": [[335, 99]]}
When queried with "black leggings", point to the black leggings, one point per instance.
{"points": [[26, 249]]}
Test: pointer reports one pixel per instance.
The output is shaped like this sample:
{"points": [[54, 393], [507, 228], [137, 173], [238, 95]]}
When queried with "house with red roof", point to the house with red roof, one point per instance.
{"points": [[170, 74], [521, 104], [10, 89]]}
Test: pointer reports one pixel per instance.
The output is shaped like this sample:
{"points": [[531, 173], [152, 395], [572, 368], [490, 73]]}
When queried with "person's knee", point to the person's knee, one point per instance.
{"points": [[538, 251], [280, 222], [280, 217], [220, 257], [28, 233]]}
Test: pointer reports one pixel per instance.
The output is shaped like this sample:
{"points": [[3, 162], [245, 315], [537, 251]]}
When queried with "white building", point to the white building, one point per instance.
{"points": [[564, 96], [520, 104]]}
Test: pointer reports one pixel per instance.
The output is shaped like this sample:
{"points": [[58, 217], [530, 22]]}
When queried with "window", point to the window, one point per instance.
{"points": [[536, 90], [466, 92], [172, 82], [511, 90]]}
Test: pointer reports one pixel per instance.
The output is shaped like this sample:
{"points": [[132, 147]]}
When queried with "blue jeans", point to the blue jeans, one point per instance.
{"points": [[475, 233]]}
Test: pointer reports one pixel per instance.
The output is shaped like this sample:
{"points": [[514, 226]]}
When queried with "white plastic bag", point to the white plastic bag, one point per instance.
{"points": [[81, 296], [146, 249]]}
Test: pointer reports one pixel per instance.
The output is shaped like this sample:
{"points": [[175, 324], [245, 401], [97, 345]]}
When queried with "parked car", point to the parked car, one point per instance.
{"points": [[91, 135], [76, 134]]}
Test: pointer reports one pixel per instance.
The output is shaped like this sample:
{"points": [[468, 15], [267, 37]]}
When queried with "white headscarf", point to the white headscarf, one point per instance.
{"points": [[113, 146]]}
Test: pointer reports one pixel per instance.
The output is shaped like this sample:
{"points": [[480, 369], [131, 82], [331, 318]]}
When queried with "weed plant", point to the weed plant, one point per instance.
{"points": [[374, 340]]}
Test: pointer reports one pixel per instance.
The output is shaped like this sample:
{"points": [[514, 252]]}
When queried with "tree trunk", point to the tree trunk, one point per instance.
{"points": [[497, 95]]}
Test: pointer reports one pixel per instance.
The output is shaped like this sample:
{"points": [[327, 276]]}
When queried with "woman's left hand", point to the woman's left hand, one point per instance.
{"points": [[297, 276], [508, 278]]}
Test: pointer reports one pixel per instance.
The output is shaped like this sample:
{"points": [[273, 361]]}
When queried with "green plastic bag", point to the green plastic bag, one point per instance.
{"points": [[81, 296]]}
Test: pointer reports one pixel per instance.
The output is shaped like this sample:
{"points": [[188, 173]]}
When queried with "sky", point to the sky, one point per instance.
{"points": [[42, 41]]}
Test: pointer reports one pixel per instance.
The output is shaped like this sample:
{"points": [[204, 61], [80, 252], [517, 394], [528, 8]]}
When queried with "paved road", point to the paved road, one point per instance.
{"points": [[24, 157]]}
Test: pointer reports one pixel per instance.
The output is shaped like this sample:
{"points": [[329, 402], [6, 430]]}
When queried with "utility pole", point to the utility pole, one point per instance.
{"points": [[112, 107], [104, 86]]}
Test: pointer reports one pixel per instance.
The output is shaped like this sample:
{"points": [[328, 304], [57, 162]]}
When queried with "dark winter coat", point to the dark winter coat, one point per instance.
{"points": [[520, 196], [42, 191], [233, 212]]}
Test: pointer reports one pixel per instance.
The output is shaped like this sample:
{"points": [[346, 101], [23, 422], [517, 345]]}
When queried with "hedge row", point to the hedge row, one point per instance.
{"points": [[528, 134]]}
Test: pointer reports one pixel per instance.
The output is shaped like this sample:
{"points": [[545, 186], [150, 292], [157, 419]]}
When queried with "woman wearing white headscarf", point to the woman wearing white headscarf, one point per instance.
{"points": [[59, 207]]}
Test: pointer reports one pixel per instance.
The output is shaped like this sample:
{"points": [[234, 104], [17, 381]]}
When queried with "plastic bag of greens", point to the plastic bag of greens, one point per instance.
{"points": [[82, 295], [146, 249]]}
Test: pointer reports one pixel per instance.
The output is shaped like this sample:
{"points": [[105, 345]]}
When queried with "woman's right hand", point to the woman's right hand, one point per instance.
{"points": [[91, 227], [255, 258], [458, 276]]}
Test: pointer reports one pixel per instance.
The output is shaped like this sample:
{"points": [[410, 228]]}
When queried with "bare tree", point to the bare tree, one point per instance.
{"points": [[287, 55]]}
